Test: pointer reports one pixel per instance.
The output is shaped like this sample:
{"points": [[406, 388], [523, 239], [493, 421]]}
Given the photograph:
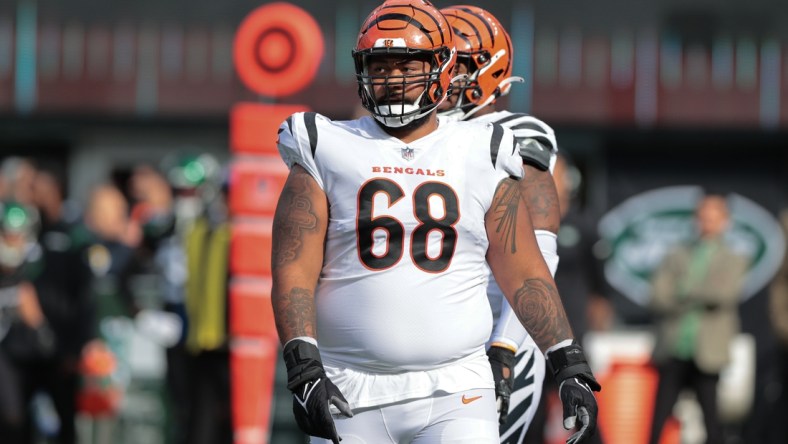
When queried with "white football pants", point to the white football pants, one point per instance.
{"points": [[467, 417]]}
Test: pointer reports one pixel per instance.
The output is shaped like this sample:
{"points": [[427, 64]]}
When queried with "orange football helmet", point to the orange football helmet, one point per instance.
{"points": [[411, 29], [486, 48]]}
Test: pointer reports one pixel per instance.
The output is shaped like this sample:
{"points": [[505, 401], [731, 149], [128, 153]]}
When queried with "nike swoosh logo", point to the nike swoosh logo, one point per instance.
{"points": [[469, 400]]}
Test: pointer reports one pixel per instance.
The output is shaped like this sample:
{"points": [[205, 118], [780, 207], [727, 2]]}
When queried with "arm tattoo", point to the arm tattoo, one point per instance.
{"points": [[506, 207], [541, 197], [295, 313], [542, 313], [294, 217]]}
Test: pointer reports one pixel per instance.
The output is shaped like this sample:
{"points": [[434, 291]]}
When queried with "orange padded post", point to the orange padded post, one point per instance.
{"points": [[277, 51], [257, 184], [253, 127], [250, 248], [252, 376], [626, 404], [251, 314]]}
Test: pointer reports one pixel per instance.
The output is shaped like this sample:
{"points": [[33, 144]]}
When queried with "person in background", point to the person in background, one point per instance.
{"points": [[186, 233], [778, 314], [19, 176], [27, 342], [160, 267], [180, 211], [695, 298], [61, 278], [49, 197], [112, 239], [207, 244], [482, 75], [64, 282], [579, 279], [195, 181]]}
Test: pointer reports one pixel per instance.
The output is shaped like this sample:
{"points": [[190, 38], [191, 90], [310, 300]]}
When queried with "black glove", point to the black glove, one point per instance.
{"points": [[576, 387], [502, 363], [313, 392]]}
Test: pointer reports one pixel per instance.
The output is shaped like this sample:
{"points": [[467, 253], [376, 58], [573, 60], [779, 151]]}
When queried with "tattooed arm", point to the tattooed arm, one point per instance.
{"points": [[520, 270], [541, 198], [522, 274], [299, 232]]}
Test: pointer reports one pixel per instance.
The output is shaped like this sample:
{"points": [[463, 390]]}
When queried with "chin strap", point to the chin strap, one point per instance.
{"points": [[385, 115]]}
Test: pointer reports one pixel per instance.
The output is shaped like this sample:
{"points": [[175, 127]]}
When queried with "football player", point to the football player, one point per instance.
{"points": [[381, 236], [483, 74]]}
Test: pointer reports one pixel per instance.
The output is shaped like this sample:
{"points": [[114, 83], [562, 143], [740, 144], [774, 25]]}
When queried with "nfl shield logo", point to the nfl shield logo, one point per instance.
{"points": [[407, 153]]}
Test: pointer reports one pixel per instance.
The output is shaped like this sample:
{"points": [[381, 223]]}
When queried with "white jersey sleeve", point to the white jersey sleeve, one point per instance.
{"points": [[535, 139], [504, 151], [297, 141], [537, 146]]}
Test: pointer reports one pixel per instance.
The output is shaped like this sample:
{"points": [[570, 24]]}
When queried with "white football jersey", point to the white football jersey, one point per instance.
{"points": [[530, 363], [527, 129], [402, 293]]}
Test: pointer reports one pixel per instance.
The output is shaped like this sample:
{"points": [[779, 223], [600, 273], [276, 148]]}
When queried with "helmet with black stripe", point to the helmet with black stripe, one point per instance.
{"points": [[485, 48], [411, 29]]}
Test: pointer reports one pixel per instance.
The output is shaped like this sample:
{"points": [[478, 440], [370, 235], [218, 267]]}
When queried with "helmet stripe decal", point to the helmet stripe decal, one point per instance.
{"points": [[402, 17], [434, 20], [490, 31], [481, 19], [425, 12], [458, 33], [405, 18]]}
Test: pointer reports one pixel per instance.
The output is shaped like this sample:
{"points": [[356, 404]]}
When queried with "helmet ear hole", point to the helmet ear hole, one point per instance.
{"points": [[476, 94], [445, 54], [484, 58]]}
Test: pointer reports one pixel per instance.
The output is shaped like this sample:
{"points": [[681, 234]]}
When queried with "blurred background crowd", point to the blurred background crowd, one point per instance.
{"points": [[118, 157], [98, 316]]}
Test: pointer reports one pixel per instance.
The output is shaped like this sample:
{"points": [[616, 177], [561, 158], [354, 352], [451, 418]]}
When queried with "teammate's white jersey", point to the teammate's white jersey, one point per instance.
{"points": [[527, 129], [402, 293], [537, 146]]}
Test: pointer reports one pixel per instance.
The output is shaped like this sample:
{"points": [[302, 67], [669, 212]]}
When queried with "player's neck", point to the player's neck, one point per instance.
{"points": [[409, 133], [486, 110]]}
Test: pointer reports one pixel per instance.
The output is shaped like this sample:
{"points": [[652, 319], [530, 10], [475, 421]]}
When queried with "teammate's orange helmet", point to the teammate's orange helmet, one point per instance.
{"points": [[485, 46], [410, 28]]}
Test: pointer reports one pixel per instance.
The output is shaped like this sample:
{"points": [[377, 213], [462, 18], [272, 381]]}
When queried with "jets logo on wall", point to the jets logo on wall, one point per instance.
{"points": [[642, 229]]}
